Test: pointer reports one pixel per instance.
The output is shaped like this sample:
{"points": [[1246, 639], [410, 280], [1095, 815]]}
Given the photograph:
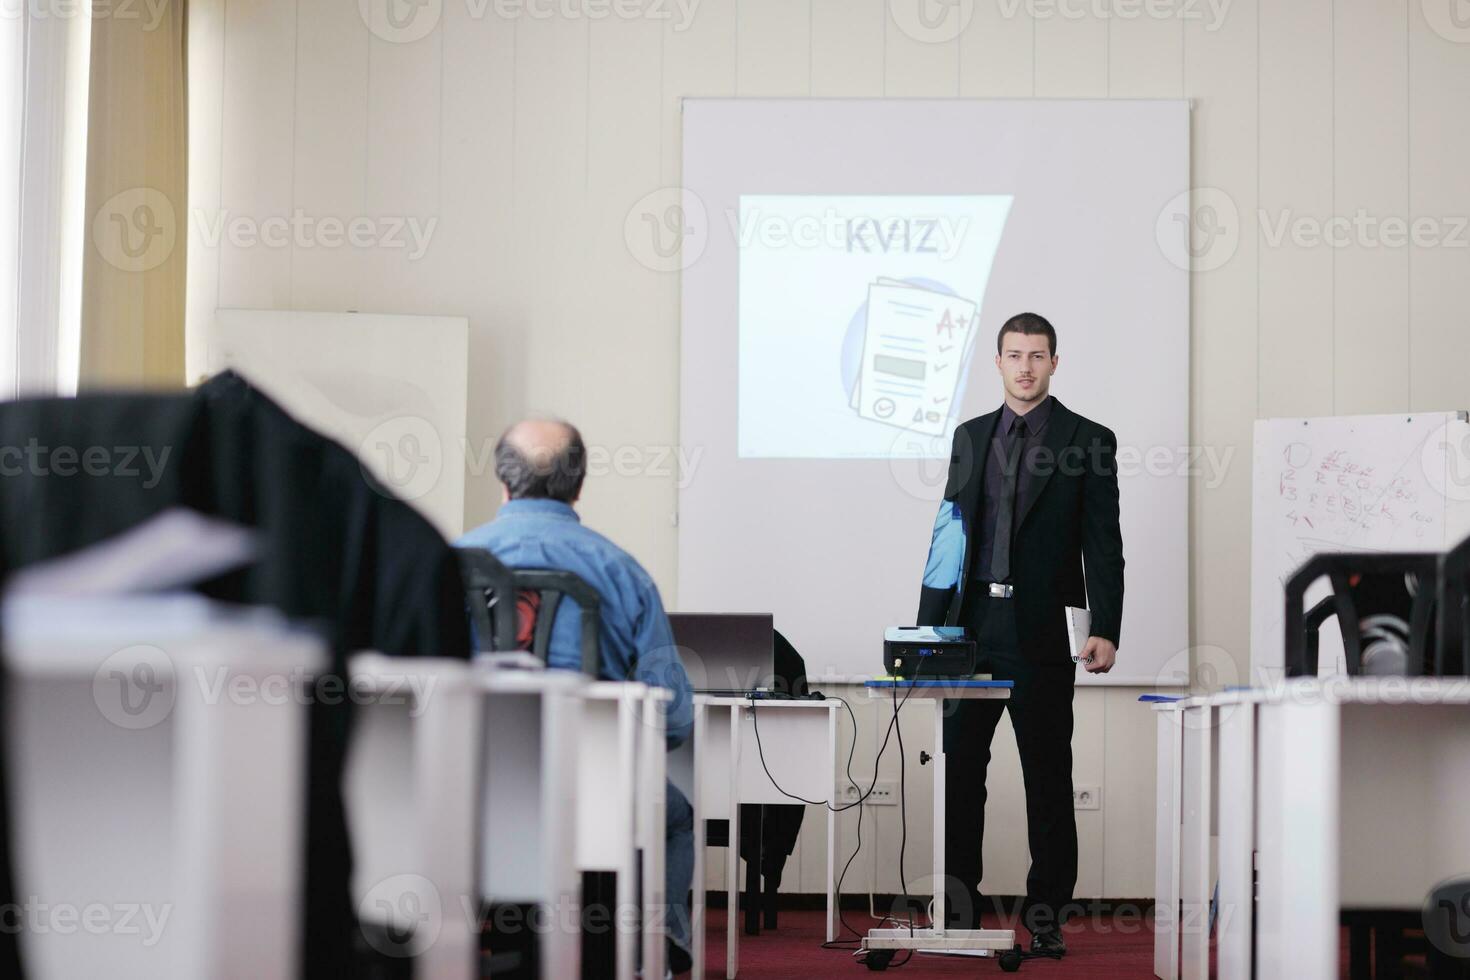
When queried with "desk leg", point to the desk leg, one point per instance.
{"points": [[832, 828], [732, 853], [1194, 851], [1299, 810], [938, 761], [697, 889], [1166, 847], [1237, 838], [652, 775], [627, 884]]}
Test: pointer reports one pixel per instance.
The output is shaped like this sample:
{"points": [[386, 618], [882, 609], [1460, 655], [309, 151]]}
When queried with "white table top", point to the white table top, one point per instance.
{"points": [[511, 681], [1337, 689], [718, 701], [938, 690]]}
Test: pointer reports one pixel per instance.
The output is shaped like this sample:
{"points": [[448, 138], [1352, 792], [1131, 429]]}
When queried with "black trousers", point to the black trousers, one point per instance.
{"points": [[1040, 707]]}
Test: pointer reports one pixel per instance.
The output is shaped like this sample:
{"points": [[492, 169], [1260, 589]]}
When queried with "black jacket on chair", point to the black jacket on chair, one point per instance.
{"points": [[1068, 516], [338, 551]]}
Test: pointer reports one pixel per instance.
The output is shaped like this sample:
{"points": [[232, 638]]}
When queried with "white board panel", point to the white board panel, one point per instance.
{"points": [[391, 388], [816, 491], [1370, 483]]}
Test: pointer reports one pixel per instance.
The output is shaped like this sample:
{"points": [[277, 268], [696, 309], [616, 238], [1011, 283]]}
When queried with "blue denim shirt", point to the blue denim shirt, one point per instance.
{"points": [[636, 640]]}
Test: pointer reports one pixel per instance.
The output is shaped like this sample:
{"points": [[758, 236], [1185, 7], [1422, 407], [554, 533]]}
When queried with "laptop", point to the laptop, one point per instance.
{"points": [[727, 654]]}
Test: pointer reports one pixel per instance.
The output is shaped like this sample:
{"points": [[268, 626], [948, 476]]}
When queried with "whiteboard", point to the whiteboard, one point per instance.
{"points": [[796, 214], [392, 388], [1369, 483]]}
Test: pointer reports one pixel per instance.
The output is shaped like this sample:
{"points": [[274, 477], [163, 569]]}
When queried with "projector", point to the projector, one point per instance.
{"points": [[928, 651]]}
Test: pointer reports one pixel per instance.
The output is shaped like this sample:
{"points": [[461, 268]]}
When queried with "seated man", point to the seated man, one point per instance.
{"points": [[542, 465]]}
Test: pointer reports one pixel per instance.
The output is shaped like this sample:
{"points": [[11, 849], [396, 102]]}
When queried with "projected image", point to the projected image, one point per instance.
{"points": [[857, 320]]}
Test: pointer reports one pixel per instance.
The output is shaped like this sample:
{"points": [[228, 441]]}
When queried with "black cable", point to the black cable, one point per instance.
{"points": [[862, 798], [893, 726], [840, 943], [903, 815]]}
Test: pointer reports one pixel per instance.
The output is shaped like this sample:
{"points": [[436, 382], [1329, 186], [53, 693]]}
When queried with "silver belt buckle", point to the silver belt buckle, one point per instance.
{"points": [[1000, 591]]}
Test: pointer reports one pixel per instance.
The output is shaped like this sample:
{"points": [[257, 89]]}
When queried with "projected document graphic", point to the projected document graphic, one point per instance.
{"points": [[857, 320]]}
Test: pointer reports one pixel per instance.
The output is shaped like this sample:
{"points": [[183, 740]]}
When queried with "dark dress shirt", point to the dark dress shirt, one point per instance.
{"points": [[1036, 420]]}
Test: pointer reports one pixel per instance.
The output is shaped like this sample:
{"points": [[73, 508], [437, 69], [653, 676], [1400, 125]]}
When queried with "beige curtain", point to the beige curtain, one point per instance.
{"points": [[132, 330]]}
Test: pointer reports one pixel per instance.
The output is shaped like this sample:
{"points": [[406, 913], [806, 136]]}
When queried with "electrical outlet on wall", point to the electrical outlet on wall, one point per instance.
{"points": [[885, 793], [1086, 797]]}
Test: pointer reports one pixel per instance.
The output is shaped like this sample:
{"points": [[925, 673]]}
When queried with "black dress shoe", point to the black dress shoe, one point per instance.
{"points": [[1049, 944], [679, 960]]}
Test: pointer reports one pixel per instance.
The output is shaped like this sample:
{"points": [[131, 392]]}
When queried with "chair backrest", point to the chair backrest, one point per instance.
{"points": [[489, 585], [1452, 612], [551, 586], [1385, 607]]}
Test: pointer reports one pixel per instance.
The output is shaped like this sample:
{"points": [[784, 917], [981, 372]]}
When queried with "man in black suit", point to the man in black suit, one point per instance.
{"points": [[1032, 494]]}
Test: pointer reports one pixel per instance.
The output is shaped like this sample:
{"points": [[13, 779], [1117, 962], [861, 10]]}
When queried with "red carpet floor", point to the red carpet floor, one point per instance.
{"points": [[1100, 948], [1097, 947]]}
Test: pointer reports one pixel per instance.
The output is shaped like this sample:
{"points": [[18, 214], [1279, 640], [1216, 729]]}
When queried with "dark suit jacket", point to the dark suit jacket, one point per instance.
{"points": [[1069, 516]]}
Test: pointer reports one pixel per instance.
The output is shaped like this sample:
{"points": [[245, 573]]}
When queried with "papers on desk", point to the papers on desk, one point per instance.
{"points": [[914, 347], [172, 550]]}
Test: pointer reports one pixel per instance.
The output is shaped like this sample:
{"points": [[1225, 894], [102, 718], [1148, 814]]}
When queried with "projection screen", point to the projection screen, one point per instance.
{"points": [[846, 265]]}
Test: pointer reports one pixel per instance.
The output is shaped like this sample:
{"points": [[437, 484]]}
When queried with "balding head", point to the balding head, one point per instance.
{"points": [[541, 458]]}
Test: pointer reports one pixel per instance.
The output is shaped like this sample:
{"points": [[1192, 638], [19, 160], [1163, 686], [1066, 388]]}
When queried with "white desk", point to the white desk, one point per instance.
{"points": [[409, 784], [609, 789], [528, 844], [884, 941], [1185, 812], [652, 829], [723, 769], [156, 754], [1343, 793]]}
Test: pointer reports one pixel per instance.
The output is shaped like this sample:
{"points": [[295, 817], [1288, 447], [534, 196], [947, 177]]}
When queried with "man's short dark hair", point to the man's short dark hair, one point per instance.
{"points": [[1030, 324], [548, 475]]}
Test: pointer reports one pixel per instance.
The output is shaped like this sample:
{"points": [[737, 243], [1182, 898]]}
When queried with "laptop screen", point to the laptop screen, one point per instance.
{"points": [[726, 651]]}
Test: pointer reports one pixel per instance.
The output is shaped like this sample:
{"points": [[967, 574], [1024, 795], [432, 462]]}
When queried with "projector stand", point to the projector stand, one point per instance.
{"points": [[881, 944]]}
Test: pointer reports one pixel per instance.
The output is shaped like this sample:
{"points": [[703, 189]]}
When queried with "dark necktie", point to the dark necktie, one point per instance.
{"points": [[1000, 551]]}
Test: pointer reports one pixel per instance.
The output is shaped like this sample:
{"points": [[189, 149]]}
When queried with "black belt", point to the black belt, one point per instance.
{"points": [[997, 590]]}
